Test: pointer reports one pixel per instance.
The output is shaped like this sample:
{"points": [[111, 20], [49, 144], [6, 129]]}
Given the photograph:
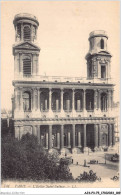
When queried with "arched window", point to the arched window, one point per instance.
{"points": [[44, 101], [104, 102], [90, 100], [27, 101], [102, 44], [55, 101], [27, 33], [78, 101], [67, 100], [27, 65]]}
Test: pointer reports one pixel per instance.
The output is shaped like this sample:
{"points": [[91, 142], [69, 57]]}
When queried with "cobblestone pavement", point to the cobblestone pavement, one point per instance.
{"points": [[104, 168]]}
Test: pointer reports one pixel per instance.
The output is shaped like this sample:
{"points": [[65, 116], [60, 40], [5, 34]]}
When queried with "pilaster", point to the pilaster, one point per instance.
{"points": [[73, 135], [50, 137], [62, 137]]}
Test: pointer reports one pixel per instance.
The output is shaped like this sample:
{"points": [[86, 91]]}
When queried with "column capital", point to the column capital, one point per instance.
{"points": [[62, 90], [100, 90], [34, 89], [50, 90], [16, 89], [95, 90]]}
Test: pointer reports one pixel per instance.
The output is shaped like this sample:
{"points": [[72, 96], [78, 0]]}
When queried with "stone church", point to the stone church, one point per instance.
{"points": [[65, 113]]}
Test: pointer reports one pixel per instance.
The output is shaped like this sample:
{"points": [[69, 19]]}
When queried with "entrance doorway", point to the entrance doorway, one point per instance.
{"points": [[104, 139], [90, 136]]}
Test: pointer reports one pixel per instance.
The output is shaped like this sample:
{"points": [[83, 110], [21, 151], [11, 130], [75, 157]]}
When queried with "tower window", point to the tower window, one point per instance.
{"points": [[103, 72], [102, 44], [27, 65], [27, 33]]}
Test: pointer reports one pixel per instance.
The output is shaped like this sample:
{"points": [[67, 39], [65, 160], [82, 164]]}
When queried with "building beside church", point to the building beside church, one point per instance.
{"points": [[71, 113]]}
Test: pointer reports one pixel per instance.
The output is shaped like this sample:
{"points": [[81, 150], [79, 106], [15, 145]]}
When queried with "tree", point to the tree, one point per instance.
{"points": [[25, 159]]}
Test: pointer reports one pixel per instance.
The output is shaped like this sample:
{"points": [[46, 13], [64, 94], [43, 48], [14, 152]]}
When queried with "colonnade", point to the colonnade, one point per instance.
{"points": [[86, 101], [81, 141]]}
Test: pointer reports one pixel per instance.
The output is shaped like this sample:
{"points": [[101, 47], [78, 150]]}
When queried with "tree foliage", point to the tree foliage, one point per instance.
{"points": [[25, 159]]}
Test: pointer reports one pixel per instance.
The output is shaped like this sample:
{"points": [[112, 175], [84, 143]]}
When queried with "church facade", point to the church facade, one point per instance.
{"points": [[65, 113]]}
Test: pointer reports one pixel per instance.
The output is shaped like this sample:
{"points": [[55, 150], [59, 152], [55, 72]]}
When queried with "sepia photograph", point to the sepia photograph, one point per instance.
{"points": [[60, 80]]}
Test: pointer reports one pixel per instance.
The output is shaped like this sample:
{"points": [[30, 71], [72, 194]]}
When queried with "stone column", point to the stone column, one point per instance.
{"points": [[33, 99], [34, 132], [21, 128], [113, 135], [85, 137], [84, 100], [38, 134], [112, 92], [16, 101], [31, 32], [50, 137], [37, 64], [99, 99], [73, 135], [69, 139], [96, 135], [58, 140], [38, 94], [109, 135], [32, 64], [18, 98], [21, 100], [109, 100], [22, 36], [46, 108], [46, 140], [73, 100], [17, 132], [62, 137], [62, 92], [79, 138], [57, 104], [15, 33], [99, 135], [50, 99], [95, 99], [67, 105], [20, 71], [78, 105]]}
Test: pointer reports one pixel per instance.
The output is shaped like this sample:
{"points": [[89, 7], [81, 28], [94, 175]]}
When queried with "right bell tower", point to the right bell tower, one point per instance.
{"points": [[98, 58]]}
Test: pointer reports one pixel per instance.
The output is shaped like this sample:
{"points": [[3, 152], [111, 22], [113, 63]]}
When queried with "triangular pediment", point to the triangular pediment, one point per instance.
{"points": [[26, 46]]}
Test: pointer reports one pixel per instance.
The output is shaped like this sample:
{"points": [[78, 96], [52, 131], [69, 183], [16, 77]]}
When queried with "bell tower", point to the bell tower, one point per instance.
{"points": [[25, 49], [98, 58]]}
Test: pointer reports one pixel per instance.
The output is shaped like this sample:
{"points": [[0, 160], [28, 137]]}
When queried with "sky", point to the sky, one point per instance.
{"points": [[63, 33]]}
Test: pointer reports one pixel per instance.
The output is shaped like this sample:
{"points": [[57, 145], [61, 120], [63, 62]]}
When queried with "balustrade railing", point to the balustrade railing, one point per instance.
{"points": [[62, 79], [90, 110], [79, 110], [56, 110]]}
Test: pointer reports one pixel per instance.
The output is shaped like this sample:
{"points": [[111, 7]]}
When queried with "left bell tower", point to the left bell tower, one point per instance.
{"points": [[25, 49]]}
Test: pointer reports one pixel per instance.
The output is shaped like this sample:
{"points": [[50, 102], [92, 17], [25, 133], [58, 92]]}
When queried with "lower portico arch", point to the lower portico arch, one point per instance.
{"points": [[90, 135]]}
